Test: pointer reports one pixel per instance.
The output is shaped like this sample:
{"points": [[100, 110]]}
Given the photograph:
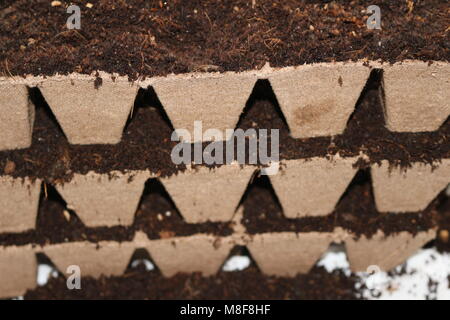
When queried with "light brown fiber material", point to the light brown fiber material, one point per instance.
{"points": [[16, 116], [312, 187], [17, 270], [198, 253], [104, 199], [215, 99], [288, 253], [417, 95], [318, 99], [280, 254], [397, 190], [88, 115], [94, 259], [204, 194], [19, 200], [384, 252]]}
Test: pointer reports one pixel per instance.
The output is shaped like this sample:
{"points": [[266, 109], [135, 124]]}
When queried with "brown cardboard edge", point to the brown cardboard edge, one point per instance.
{"points": [[313, 186], [87, 111], [105, 199], [197, 253], [197, 207], [288, 253], [382, 252], [200, 199], [318, 99], [19, 201], [201, 253], [196, 104], [327, 127], [417, 95], [16, 117], [19, 264], [106, 258], [411, 190], [280, 254]]}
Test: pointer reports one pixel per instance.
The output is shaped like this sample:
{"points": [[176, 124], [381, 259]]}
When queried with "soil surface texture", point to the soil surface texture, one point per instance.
{"points": [[247, 284], [148, 38]]}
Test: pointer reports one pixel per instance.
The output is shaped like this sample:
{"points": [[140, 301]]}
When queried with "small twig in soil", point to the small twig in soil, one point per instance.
{"points": [[45, 191], [7, 68]]}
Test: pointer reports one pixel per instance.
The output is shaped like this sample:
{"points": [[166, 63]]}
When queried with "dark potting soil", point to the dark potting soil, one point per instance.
{"points": [[355, 212], [148, 38], [156, 216], [247, 284], [146, 142]]}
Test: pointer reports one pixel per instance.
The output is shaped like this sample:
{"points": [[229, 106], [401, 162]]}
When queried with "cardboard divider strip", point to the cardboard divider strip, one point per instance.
{"points": [[318, 99], [280, 254], [104, 199], [216, 99], [197, 253], [289, 253], [16, 116], [417, 95], [94, 259], [305, 187], [19, 201], [408, 190], [312, 187], [90, 111], [208, 194], [384, 252], [18, 268]]}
